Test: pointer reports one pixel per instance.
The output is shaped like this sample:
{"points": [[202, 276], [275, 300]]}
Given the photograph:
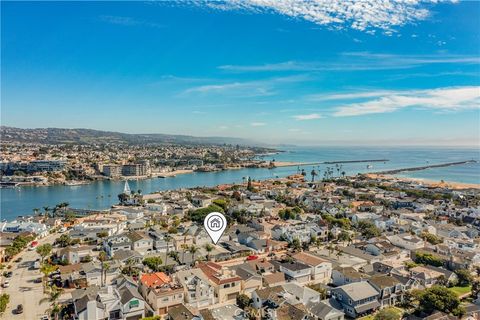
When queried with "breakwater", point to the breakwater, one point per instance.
{"points": [[440, 165]]}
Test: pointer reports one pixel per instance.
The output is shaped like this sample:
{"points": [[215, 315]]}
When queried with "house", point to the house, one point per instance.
{"points": [[180, 312], [295, 270], [75, 254], [161, 292], [201, 201], [295, 294], [267, 298], [391, 290], [250, 279], [321, 270], [95, 303], [115, 243], [357, 299], [342, 276], [198, 291], [430, 275], [226, 283], [140, 241], [161, 241], [406, 241], [328, 309]]}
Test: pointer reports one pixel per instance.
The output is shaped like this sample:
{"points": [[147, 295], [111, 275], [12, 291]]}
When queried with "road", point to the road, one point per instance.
{"points": [[23, 290]]}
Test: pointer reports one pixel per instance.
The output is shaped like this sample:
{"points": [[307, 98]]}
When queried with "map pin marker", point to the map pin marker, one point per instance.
{"points": [[215, 224]]}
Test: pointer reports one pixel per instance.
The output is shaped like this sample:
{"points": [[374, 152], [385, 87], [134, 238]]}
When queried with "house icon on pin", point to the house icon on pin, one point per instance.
{"points": [[215, 223]]}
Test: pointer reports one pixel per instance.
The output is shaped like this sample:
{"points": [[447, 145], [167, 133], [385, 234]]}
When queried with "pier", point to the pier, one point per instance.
{"points": [[448, 164]]}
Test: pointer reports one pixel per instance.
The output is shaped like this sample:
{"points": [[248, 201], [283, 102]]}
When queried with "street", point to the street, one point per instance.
{"points": [[23, 290]]}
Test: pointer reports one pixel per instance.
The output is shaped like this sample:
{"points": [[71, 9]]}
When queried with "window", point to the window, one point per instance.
{"points": [[134, 304]]}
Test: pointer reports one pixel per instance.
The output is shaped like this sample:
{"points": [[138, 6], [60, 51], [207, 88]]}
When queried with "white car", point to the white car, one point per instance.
{"points": [[6, 284]]}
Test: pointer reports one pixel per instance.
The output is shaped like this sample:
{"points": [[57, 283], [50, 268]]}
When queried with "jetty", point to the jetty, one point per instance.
{"points": [[355, 161], [440, 165]]}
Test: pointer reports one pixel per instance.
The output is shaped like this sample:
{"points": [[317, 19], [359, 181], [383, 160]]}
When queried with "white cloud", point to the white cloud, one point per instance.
{"points": [[340, 14], [223, 127], [263, 87], [443, 99], [311, 116], [128, 21], [258, 124], [349, 96], [358, 61]]}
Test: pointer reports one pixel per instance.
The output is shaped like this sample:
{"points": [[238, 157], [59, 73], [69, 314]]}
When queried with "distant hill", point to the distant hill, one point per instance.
{"points": [[89, 136]]}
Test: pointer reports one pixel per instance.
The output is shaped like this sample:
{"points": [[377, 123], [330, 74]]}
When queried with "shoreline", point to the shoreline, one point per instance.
{"points": [[426, 182]]}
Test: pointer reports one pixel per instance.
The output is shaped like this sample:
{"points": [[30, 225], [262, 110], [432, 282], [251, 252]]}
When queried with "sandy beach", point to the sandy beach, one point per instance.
{"points": [[294, 164], [426, 182]]}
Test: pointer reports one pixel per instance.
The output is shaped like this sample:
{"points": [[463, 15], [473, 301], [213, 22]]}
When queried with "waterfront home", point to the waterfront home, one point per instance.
{"points": [[225, 281], [320, 269], [198, 291], [161, 292], [39, 229], [357, 299]]}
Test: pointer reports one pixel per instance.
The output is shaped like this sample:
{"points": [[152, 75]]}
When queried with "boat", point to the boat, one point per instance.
{"points": [[369, 166], [8, 185]]}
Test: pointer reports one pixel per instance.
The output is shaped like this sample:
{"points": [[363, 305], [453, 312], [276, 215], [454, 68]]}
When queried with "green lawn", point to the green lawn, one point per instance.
{"points": [[460, 291]]}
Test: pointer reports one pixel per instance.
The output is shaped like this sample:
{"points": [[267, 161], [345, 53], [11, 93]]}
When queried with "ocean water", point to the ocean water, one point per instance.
{"points": [[101, 195]]}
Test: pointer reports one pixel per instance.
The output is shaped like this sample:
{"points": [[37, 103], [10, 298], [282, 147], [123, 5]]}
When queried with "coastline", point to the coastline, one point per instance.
{"points": [[427, 182]]}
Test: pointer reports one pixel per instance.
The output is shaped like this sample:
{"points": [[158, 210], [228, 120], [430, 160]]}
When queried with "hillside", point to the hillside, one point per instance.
{"points": [[89, 136]]}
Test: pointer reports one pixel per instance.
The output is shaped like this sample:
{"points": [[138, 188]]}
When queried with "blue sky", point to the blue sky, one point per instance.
{"points": [[278, 72]]}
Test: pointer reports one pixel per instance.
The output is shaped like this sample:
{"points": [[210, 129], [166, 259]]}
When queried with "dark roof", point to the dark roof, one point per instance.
{"points": [[180, 312], [127, 294], [294, 266]]}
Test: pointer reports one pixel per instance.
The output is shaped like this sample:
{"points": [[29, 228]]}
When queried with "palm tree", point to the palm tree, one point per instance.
{"points": [[102, 256], [167, 239], [193, 249], [313, 173], [35, 211], [46, 209], [343, 174], [208, 248], [105, 267]]}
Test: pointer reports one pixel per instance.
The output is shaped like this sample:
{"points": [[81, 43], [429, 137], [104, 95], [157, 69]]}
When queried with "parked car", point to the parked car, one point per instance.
{"points": [[18, 259], [38, 280], [8, 274], [6, 284]]}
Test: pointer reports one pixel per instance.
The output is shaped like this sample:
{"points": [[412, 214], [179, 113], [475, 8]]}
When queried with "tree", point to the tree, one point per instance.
{"points": [[64, 240], [209, 248], [368, 229], [44, 250], [193, 249], [243, 301], [428, 258], [4, 300], [154, 263], [102, 234], [388, 314], [465, 278], [431, 238], [129, 268], [439, 298], [200, 214], [296, 244]]}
